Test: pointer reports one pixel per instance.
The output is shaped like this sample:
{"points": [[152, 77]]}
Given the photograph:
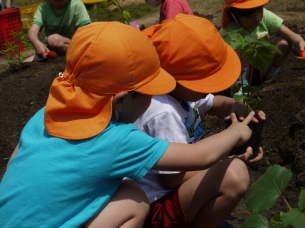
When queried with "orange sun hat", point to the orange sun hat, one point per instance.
{"points": [[240, 4], [191, 49], [103, 58]]}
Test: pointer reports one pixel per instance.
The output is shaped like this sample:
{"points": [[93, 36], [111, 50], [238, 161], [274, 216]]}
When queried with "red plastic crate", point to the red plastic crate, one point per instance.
{"points": [[10, 21]]}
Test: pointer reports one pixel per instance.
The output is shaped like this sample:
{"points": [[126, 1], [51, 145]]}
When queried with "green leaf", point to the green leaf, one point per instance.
{"points": [[301, 202], [261, 58], [126, 16], [294, 217], [235, 88], [276, 226], [255, 221], [250, 89], [277, 219], [266, 43], [237, 41], [264, 192], [254, 103], [250, 39], [239, 97]]}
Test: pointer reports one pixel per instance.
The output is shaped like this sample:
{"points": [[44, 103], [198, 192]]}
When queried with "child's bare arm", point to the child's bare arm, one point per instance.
{"points": [[40, 48], [223, 106], [13, 155], [208, 151], [295, 39]]}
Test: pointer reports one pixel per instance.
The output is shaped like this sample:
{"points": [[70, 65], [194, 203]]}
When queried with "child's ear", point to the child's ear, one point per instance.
{"points": [[118, 100]]}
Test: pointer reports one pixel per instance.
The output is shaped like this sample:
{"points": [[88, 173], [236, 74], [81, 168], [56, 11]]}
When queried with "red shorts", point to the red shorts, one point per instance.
{"points": [[167, 212]]}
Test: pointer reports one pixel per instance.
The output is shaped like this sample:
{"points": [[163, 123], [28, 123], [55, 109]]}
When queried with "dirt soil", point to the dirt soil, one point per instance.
{"points": [[23, 93]]}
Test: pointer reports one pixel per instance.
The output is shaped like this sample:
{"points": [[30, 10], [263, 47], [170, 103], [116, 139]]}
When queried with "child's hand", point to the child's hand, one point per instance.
{"points": [[246, 157], [41, 50], [239, 108], [242, 128]]}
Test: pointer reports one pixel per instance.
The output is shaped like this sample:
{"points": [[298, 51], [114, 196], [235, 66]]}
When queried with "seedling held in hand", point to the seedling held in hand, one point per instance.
{"points": [[258, 53]]}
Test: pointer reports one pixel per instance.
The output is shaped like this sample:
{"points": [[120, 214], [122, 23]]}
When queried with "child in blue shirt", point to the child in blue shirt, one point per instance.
{"points": [[73, 154]]}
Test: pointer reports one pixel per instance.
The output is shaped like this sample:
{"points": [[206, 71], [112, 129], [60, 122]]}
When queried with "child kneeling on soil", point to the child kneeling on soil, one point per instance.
{"points": [[74, 153], [60, 20], [170, 8], [251, 18], [202, 63]]}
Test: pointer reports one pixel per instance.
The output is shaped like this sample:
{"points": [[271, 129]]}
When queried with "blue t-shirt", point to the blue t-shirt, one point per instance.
{"points": [[53, 182]]}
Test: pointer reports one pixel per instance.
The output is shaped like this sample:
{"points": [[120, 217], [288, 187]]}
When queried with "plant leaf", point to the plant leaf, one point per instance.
{"points": [[237, 40], [255, 221], [235, 88], [126, 16], [277, 219], [264, 192], [265, 43], [261, 58], [239, 97], [301, 202], [250, 39], [294, 217]]}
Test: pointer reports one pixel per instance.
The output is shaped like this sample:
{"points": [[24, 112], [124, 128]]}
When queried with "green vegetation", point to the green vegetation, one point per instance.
{"points": [[102, 12], [258, 53], [12, 53], [265, 192]]}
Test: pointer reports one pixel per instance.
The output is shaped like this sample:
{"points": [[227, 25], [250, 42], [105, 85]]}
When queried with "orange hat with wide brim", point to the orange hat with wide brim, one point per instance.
{"points": [[103, 58], [245, 4], [191, 49], [240, 4]]}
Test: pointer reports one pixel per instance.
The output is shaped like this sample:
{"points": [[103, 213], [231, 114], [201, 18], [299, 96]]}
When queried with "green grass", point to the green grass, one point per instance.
{"points": [[100, 11]]}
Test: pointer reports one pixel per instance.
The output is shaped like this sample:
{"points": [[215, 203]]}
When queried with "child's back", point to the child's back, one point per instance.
{"points": [[170, 8]]}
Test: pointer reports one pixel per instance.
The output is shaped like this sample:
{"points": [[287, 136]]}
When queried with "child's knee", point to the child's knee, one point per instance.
{"points": [[284, 46], [239, 176]]}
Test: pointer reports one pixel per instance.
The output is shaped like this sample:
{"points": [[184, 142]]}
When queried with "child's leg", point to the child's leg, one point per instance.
{"points": [[210, 196], [58, 43], [128, 208], [285, 47]]}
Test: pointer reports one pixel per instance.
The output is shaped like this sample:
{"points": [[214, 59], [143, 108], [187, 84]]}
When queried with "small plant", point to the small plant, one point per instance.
{"points": [[257, 52], [125, 14], [265, 192], [13, 50]]}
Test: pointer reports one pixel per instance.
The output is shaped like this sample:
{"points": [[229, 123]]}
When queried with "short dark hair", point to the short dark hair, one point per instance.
{"points": [[241, 12]]}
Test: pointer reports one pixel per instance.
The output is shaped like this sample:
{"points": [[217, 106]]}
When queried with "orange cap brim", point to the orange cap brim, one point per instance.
{"points": [[220, 80], [248, 4], [162, 84]]}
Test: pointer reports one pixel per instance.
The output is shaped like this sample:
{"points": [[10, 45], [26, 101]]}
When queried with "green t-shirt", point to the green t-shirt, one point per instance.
{"points": [[270, 21], [74, 15]]}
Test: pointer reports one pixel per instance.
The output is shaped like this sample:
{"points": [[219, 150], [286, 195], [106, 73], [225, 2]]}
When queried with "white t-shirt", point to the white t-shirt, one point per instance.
{"points": [[169, 120]]}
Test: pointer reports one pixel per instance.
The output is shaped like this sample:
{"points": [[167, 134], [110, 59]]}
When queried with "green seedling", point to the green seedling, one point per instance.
{"points": [[265, 192], [13, 50], [258, 53], [125, 14]]}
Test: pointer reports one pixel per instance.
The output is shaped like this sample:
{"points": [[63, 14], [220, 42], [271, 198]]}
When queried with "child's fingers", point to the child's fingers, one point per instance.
{"points": [[245, 156], [258, 157], [233, 117], [249, 117]]}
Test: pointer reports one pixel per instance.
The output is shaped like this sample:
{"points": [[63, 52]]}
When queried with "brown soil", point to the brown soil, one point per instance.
{"points": [[23, 93]]}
